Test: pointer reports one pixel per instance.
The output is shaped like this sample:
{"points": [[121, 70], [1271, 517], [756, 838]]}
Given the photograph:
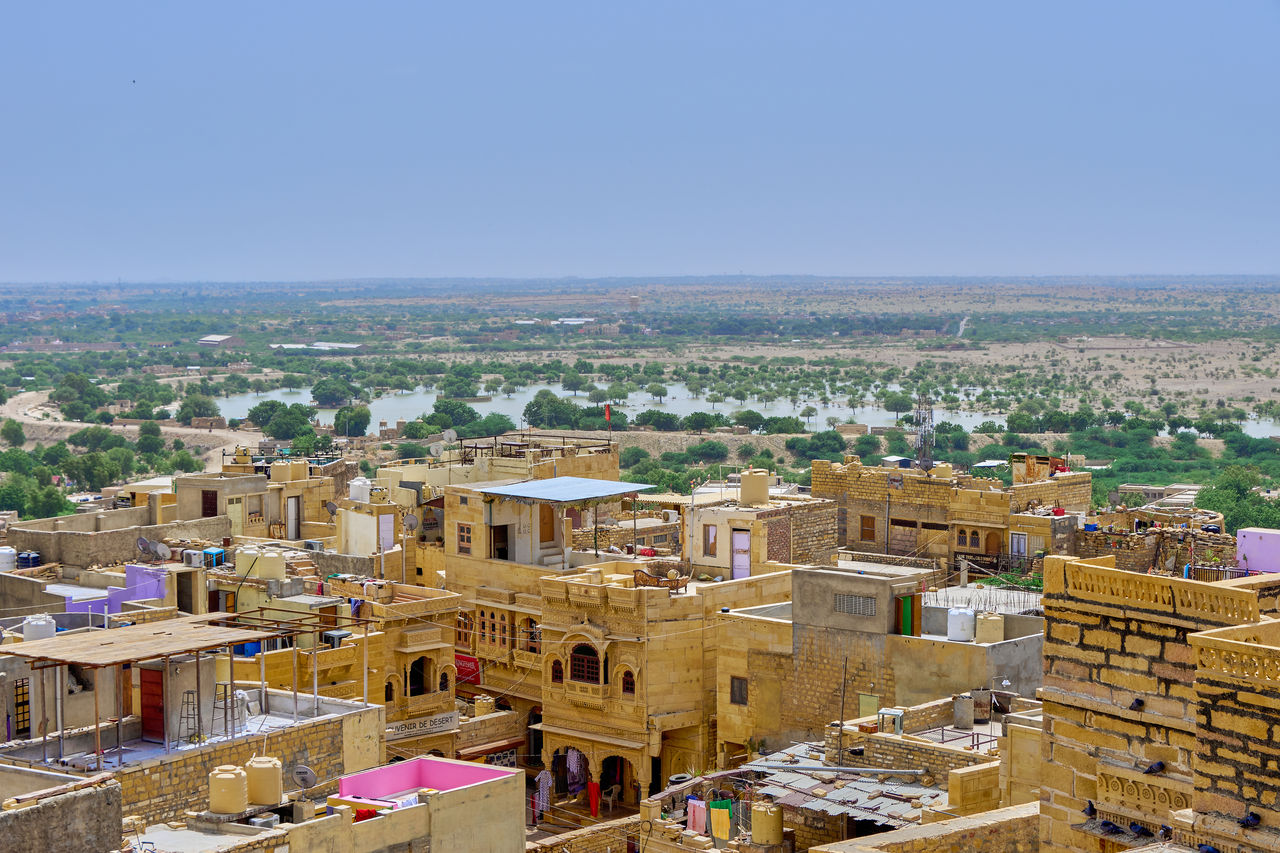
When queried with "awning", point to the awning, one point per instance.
{"points": [[490, 747], [566, 490], [589, 736]]}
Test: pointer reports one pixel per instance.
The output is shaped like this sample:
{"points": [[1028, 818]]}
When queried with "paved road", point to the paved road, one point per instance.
{"points": [[960, 331]]}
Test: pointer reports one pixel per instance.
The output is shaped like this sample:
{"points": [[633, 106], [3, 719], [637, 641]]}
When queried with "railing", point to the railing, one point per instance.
{"points": [[528, 660], [1188, 599], [586, 695], [1126, 792]]}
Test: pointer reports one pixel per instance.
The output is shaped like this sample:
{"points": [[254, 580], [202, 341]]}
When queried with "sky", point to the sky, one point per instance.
{"points": [[305, 141]]}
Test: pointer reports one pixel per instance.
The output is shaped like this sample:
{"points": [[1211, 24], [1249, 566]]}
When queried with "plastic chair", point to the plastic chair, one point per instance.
{"points": [[610, 797]]}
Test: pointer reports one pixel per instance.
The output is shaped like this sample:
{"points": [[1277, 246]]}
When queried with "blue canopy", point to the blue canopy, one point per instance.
{"points": [[566, 490]]}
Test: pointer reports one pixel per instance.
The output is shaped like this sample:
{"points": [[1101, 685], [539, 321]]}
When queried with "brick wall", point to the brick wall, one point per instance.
{"points": [[908, 753], [1009, 830], [158, 789]]}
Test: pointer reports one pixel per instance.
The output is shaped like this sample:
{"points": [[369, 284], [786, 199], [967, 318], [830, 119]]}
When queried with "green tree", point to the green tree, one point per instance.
{"points": [[898, 403], [332, 392], [573, 382], [351, 421], [631, 456], [47, 502], [459, 413], [12, 432], [290, 423], [197, 406], [698, 421], [749, 418], [261, 414]]}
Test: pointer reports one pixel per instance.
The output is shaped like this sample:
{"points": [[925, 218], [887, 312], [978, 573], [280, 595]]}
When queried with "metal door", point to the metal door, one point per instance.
{"points": [[208, 503], [22, 708], [293, 527], [740, 542], [386, 531], [151, 684], [546, 523]]}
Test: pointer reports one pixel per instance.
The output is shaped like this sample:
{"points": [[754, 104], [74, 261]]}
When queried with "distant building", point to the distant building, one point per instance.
{"points": [[220, 341]]}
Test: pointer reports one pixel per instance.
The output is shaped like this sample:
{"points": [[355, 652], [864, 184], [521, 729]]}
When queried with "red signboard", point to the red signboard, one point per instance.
{"points": [[468, 668]]}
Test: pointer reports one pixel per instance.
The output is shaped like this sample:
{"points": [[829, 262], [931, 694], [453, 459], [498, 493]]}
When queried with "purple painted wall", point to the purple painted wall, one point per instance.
{"points": [[140, 582], [1258, 549]]}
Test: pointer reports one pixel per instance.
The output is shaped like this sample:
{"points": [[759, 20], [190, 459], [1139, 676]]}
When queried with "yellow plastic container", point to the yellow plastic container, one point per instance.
{"points": [[766, 824], [266, 784], [228, 790]]}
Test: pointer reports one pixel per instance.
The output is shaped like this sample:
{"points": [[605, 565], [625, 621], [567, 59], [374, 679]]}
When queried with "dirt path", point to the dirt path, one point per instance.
{"points": [[44, 424]]}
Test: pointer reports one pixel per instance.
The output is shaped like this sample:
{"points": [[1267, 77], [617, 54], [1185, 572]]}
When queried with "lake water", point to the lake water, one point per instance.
{"points": [[410, 404]]}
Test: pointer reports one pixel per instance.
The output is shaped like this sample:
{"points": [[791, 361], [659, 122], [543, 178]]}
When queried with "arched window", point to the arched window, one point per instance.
{"points": [[584, 664], [444, 681], [389, 692], [557, 672], [973, 539], [463, 628], [502, 630], [419, 676], [962, 538], [628, 682]]}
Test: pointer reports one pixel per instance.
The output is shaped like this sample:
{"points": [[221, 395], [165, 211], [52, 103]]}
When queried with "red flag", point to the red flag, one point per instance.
{"points": [[608, 413]]}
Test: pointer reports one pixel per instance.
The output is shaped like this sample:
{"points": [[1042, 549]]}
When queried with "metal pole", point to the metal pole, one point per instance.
{"points": [[44, 719], [59, 685], [635, 524], [315, 673], [262, 674], [295, 678], [199, 703], [119, 715], [404, 551], [97, 726], [366, 664], [164, 701], [886, 515], [231, 686], [844, 684]]}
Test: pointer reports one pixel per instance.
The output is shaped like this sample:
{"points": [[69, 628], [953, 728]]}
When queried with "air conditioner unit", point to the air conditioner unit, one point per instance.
{"points": [[671, 516], [192, 558], [313, 545]]}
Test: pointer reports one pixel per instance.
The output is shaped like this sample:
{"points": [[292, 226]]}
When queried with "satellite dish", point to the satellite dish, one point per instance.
{"points": [[304, 776], [162, 551], [144, 544], [411, 523], [331, 507], [450, 436], [435, 449]]}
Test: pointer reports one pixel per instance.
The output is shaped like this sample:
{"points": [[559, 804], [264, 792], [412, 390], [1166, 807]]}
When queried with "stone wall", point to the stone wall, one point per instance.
{"points": [[82, 548], [1115, 636], [601, 838], [623, 534], [160, 789], [1160, 548], [74, 822], [1008, 830], [908, 753]]}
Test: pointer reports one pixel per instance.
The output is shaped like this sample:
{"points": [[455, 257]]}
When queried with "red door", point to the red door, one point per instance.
{"points": [[152, 694]]}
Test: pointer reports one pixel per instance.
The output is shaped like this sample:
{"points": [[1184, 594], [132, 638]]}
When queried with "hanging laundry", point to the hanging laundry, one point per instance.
{"points": [[697, 817], [542, 800]]}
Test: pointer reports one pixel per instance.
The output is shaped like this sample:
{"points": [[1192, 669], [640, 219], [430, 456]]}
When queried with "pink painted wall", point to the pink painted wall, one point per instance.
{"points": [[1258, 549], [423, 772]]}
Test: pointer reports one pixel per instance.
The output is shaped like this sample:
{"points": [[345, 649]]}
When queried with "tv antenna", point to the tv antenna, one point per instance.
{"points": [[304, 776], [924, 432]]}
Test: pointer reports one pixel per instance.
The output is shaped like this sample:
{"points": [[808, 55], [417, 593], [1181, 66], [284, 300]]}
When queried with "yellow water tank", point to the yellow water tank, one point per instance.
{"points": [[990, 628], [281, 472], [228, 790], [270, 565], [301, 469], [766, 824], [754, 488], [266, 784], [484, 705]]}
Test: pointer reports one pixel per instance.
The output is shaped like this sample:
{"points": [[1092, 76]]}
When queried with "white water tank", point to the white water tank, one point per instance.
{"points": [[360, 489], [961, 625], [753, 487], [247, 560], [8, 559], [39, 627]]}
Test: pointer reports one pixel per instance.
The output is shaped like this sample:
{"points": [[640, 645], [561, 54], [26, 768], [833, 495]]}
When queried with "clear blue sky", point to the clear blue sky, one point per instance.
{"points": [[316, 140]]}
